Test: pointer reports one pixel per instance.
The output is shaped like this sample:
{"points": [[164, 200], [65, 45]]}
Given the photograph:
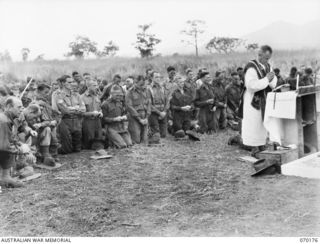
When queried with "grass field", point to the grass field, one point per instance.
{"points": [[184, 188], [106, 68]]}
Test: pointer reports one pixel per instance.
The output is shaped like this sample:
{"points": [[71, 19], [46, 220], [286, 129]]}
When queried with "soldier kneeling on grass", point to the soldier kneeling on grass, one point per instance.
{"points": [[49, 118], [181, 105], [115, 120], [10, 146], [91, 126], [139, 108], [46, 133], [159, 109]]}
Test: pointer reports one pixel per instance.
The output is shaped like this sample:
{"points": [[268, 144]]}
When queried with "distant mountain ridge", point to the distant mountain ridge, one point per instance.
{"points": [[284, 35]]}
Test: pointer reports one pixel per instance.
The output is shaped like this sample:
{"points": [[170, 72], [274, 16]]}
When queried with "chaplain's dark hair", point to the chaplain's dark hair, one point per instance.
{"points": [[117, 76], [75, 73], [64, 78], [266, 48]]}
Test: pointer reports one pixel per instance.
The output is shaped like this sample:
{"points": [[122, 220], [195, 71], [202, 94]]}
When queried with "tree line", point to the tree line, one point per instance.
{"points": [[146, 43]]}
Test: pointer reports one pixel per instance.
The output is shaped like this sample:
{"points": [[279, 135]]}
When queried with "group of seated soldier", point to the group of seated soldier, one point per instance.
{"points": [[79, 112]]}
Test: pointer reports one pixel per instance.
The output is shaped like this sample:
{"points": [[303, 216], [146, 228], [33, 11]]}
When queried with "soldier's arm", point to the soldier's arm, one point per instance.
{"points": [[173, 105], [82, 106], [148, 106], [130, 107], [198, 102], [166, 103], [105, 112], [153, 108]]}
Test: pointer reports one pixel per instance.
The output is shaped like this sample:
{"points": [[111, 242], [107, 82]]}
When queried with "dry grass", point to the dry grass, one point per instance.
{"points": [[181, 189]]}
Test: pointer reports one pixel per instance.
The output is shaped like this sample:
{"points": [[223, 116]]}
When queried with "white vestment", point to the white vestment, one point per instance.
{"points": [[253, 131]]}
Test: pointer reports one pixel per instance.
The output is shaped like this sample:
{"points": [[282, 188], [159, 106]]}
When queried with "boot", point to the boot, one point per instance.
{"points": [[53, 150], [8, 181], [47, 158]]}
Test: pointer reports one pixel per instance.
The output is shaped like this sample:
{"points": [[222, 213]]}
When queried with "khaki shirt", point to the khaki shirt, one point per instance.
{"points": [[92, 102], [68, 100]]}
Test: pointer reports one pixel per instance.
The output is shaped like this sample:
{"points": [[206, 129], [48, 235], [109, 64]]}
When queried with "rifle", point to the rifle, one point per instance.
{"points": [[24, 90]]}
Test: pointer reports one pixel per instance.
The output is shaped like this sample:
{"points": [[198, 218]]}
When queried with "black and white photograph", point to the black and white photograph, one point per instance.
{"points": [[159, 118]]}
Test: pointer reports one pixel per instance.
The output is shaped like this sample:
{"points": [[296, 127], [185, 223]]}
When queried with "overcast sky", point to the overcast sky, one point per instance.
{"points": [[47, 26]]}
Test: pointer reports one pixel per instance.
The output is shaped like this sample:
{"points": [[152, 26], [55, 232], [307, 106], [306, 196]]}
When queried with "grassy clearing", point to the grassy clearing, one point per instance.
{"points": [[181, 189]]}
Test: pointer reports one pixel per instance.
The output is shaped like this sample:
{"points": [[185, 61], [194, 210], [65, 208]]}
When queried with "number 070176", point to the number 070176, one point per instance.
{"points": [[308, 240]]}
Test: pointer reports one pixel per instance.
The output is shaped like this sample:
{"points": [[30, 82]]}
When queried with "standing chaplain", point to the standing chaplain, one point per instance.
{"points": [[259, 80]]}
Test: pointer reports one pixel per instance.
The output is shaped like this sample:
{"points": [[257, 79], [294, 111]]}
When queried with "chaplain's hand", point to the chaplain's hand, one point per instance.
{"points": [[124, 117], [270, 76]]}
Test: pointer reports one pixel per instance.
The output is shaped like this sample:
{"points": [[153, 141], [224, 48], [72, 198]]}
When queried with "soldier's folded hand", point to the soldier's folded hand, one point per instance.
{"points": [[124, 117], [24, 148], [33, 133], [143, 121], [53, 123], [96, 113], [162, 114], [210, 101], [36, 126], [117, 119]]}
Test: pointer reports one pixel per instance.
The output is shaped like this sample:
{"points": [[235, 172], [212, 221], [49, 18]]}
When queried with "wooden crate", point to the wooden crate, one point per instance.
{"points": [[282, 156]]}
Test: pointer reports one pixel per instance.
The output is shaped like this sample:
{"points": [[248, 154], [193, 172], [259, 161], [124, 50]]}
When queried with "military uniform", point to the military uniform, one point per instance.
{"points": [[159, 103], [220, 115], [139, 107], [117, 131], [206, 113], [70, 127], [47, 133], [181, 119], [91, 125], [8, 141], [233, 92]]}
